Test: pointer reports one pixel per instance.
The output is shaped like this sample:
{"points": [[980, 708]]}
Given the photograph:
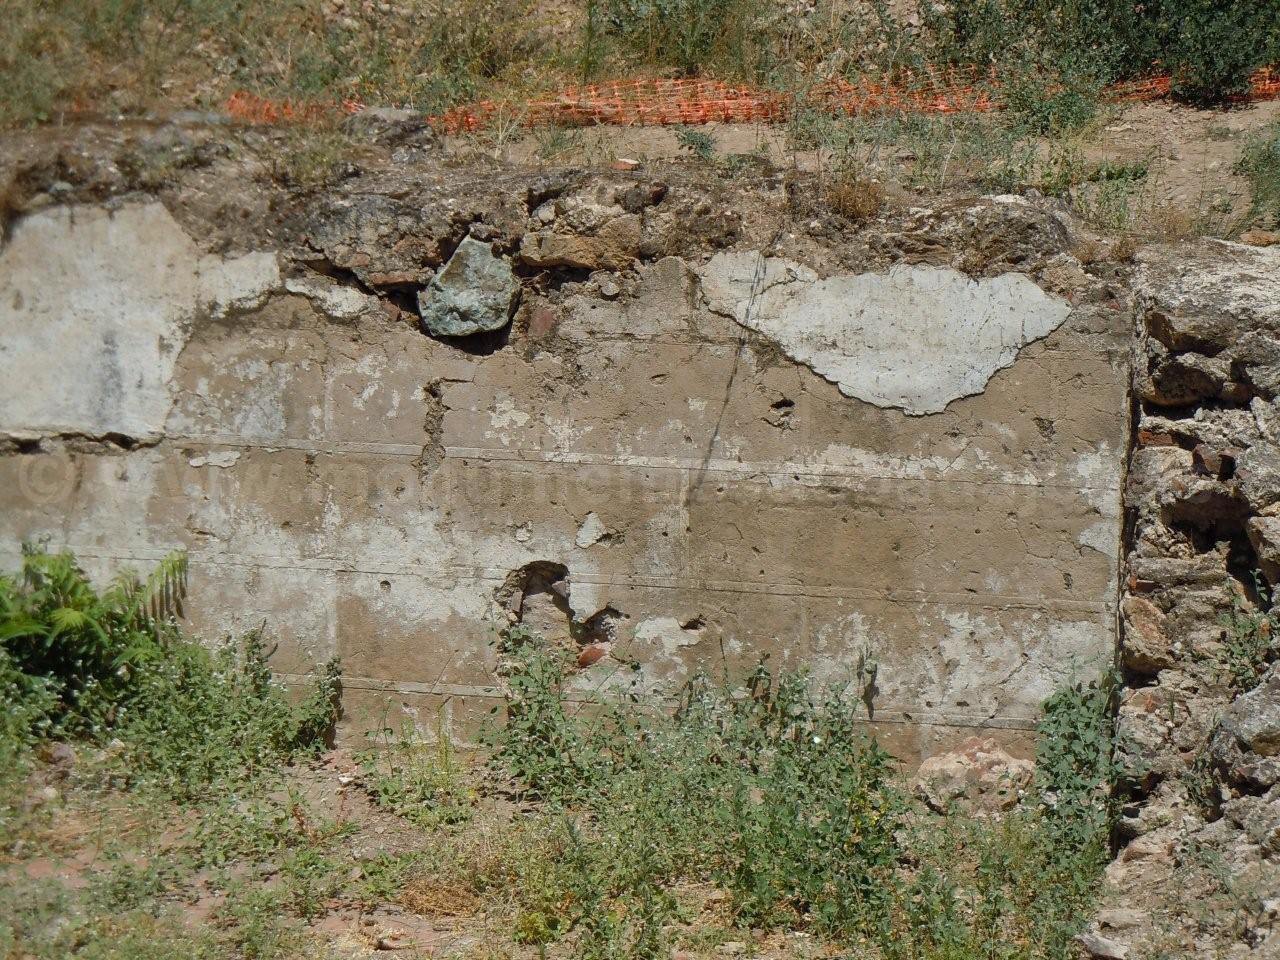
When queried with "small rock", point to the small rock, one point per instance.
{"points": [[1245, 745], [42, 797], [608, 288], [1260, 238], [59, 754], [1146, 649], [624, 163], [475, 292], [1183, 379], [1264, 535], [1121, 918], [1099, 946], [978, 777], [591, 654]]}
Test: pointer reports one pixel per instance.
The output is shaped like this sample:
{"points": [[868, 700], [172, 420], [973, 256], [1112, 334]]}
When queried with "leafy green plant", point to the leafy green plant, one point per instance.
{"points": [[699, 143], [197, 717], [538, 743], [422, 782], [777, 796], [1249, 639], [1260, 163], [1212, 46], [83, 647], [78, 661]]}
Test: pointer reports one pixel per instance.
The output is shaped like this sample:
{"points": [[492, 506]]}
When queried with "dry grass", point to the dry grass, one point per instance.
{"points": [[431, 897], [856, 199], [130, 55]]}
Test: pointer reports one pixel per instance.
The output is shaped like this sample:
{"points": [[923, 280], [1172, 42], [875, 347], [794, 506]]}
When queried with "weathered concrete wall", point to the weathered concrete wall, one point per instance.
{"points": [[684, 461]]}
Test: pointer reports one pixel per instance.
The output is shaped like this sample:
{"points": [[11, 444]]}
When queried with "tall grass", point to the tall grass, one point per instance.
{"points": [[1051, 56]]}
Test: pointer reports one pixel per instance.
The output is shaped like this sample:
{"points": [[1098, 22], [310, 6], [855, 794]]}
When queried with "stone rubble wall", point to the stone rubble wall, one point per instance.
{"points": [[1200, 783]]}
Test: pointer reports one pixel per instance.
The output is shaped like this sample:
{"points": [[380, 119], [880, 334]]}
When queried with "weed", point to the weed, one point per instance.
{"points": [[199, 717], [777, 797], [310, 878], [312, 157], [129, 886], [1249, 640], [422, 782], [554, 143], [856, 199], [384, 877], [698, 143], [256, 928], [694, 36], [1260, 164]]}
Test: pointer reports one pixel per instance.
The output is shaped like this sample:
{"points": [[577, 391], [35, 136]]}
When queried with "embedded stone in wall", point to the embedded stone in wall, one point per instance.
{"points": [[915, 338], [474, 293]]}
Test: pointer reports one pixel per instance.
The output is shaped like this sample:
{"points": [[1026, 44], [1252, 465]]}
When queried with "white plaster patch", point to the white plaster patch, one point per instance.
{"points": [[216, 458], [1100, 536], [667, 632], [96, 306], [331, 299], [591, 532], [916, 338]]}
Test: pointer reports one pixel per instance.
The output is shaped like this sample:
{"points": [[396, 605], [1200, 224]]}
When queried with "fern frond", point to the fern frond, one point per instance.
{"points": [[160, 597], [15, 627], [68, 619]]}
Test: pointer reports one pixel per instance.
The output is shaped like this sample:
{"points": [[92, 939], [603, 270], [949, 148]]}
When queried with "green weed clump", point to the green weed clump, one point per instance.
{"points": [[1249, 639], [1260, 164], [77, 662], [779, 798], [423, 782]]}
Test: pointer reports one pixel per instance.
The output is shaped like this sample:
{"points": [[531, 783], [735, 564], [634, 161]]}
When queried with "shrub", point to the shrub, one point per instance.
{"points": [[1071, 47], [85, 648], [1249, 639], [76, 661], [694, 36], [1212, 46]]}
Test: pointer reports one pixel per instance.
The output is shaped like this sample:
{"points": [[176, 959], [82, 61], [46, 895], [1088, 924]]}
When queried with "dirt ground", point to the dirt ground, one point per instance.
{"points": [[1190, 154], [120, 862]]}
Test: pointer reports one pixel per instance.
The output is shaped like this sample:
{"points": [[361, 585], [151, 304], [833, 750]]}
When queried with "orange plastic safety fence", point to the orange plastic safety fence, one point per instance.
{"points": [[649, 103], [251, 108]]}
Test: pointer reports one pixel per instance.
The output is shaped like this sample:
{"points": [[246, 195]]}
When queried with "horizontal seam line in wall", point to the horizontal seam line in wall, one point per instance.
{"points": [[1120, 352], [895, 715], [647, 582], [746, 469]]}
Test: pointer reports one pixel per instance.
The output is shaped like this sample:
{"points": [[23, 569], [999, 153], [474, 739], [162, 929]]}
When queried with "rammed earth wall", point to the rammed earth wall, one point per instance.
{"points": [[891, 454]]}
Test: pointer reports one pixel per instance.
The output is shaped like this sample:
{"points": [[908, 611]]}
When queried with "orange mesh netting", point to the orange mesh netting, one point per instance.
{"points": [[651, 103], [251, 108]]}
